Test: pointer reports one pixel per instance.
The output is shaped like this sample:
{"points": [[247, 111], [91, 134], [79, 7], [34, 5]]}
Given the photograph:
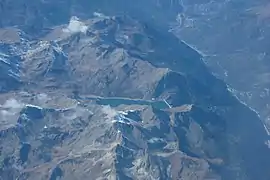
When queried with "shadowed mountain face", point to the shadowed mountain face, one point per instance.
{"points": [[43, 14], [54, 126], [234, 36]]}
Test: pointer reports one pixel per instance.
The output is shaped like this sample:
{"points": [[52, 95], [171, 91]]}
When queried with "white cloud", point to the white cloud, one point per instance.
{"points": [[13, 104], [5, 113], [75, 26], [8, 110]]}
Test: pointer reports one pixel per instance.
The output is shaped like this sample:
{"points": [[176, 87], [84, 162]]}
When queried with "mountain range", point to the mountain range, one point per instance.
{"points": [[106, 90]]}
